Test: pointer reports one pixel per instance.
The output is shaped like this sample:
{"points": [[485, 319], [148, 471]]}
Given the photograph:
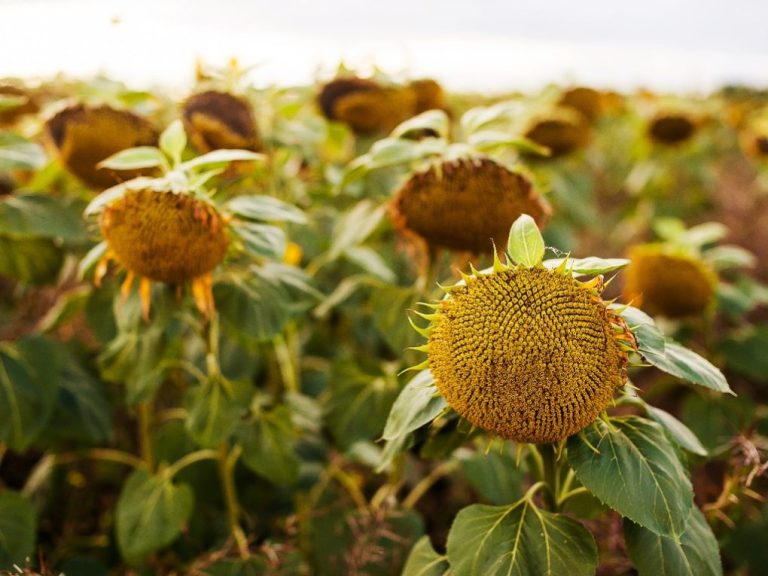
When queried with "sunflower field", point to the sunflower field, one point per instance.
{"points": [[369, 327]]}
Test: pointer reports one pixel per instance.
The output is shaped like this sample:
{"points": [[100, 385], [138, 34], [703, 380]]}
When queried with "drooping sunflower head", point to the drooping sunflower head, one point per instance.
{"points": [[376, 111], [669, 282], [336, 89], [466, 204], [25, 104], [429, 95], [84, 136], [218, 120], [563, 131], [671, 128], [528, 353], [588, 101]]}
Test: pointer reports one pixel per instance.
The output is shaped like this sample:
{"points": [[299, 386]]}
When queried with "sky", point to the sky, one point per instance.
{"points": [[482, 45]]}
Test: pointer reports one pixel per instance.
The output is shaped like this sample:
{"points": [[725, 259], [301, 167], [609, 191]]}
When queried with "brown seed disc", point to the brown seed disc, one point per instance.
{"points": [[218, 120]]}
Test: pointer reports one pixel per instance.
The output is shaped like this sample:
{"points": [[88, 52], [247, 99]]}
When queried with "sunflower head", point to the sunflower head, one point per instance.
{"points": [[754, 136], [26, 104], [588, 101], [527, 352], [669, 282], [563, 131], [671, 128], [84, 136], [219, 120], [372, 111], [429, 95], [464, 204], [336, 89]]}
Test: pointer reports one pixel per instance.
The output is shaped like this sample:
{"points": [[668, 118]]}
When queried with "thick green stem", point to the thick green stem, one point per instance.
{"points": [[285, 363], [227, 461], [551, 476], [190, 459]]}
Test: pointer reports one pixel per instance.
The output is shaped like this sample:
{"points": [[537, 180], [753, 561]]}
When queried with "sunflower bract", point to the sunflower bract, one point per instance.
{"points": [[530, 354], [164, 236]]}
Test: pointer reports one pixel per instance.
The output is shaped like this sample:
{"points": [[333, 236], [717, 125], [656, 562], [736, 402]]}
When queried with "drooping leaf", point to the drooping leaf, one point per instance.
{"points": [[424, 561], [679, 432], [265, 209], [650, 341], [693, 553], [632, 467], [214, 411], [220, 157], [436, 121], [31, 215], [525, 244], [150, 514], [17, 529], [28, 387], [496, 475], [388, 304], [519, 540], [173, 140], [268, 446], [686, 364], [417, 404], [19, 153]]}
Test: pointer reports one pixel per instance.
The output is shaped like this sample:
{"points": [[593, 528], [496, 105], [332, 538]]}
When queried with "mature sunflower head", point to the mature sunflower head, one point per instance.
{"points": [[530, 354], [429, 95], [588, 101], [464, 204], [219, 120], [85, 136], [336, 89], [671, 128], [563, 131], [669, 283], [27, 104], [380, 110], [164, 236]]}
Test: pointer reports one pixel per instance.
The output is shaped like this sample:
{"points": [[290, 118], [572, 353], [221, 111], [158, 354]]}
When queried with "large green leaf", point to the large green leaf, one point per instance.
{"points": [[150, 514], [496, 475], [678, 431], [19, 153], [265, 209], [262, 239], [424, 561], [214, 411], [519, 540], [693, 553], [632, 467], [30, 215], [650, 341], [30, 260], [134, 158], [28, 386], [17, 529], [388, 304], [359, 402], [686, 364], [268, 446]]}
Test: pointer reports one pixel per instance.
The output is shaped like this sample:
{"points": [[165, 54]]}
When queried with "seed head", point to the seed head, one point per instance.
{"points": [[530, 354], [218, 120], [671, 128], [464, 204], [668, 283]]}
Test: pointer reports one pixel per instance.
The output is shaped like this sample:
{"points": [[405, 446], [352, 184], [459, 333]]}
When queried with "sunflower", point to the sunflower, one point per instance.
{"points": [[465, 204], [379, 110], [587, 101], [429, 95], [671, 128], [669, 282], [529, 353], [219, 120], [563, 130], [336, 89], [85, 136]]}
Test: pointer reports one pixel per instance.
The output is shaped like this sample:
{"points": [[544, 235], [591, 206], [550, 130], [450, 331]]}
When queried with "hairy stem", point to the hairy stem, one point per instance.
{"points": [[227, 461]]}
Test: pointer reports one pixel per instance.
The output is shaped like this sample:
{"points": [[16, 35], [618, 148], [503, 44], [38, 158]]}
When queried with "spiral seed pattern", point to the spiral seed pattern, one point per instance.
{"points": [[530, 354]]}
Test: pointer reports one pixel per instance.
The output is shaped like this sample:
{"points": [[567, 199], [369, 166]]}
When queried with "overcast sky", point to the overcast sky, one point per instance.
{"points": [[488, 45]]}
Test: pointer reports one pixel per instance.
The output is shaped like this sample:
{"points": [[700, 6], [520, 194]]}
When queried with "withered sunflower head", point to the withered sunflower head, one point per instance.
{"points": [[671, 128], [466, 204], [530, 354], [669, 283], [28, 106], [375, 111], [564, 131], [84, 136], [219, 120], [164, 236], [331, 92], [587, 101], [429, 95]]}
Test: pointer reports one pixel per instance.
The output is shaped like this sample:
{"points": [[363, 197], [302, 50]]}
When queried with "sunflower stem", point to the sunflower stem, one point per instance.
{"points": [[227, 460], [285, 359], [144, 416], [551, 476]]}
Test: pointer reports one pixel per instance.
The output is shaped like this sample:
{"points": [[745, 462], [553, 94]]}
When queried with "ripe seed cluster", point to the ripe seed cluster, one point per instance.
{"points": [[164, 236], [464, 204], [530, 354], [671, 284]]}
